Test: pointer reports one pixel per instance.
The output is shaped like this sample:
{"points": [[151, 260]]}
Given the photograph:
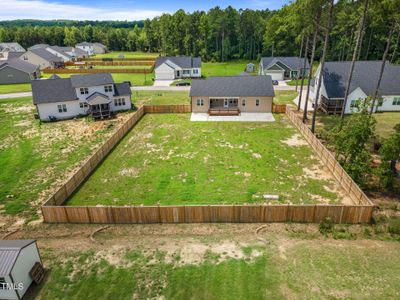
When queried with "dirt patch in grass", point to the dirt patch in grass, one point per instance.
{"points": [[296, 140]]}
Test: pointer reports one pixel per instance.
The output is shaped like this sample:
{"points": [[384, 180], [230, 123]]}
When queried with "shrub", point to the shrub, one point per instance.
{"points": [[394, 226], [326, 225]]}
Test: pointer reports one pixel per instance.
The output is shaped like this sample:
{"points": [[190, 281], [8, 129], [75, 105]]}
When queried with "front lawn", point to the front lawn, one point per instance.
{"points": [[34, 155], [15, 88], [168, 160], [293, 82], [161, 97]]}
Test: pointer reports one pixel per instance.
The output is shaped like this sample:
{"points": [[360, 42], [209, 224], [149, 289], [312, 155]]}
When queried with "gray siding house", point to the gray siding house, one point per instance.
{"points": [[17, 71], [177, 67], [282, 68]]}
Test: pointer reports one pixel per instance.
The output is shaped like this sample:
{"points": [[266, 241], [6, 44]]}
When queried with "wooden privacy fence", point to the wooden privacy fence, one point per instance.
{"points": [[110, 63], [91, 71], [278, 108], [347, 183], [206, 214], [54, 211], [152, 59]]}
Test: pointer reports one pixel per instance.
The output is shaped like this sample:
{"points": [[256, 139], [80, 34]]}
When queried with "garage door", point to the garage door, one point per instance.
{"points": [[165, 75], [276, 75]]}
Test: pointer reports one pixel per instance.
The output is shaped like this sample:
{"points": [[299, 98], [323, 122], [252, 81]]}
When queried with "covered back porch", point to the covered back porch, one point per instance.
{"points": [[99, 106], [224, 107]]}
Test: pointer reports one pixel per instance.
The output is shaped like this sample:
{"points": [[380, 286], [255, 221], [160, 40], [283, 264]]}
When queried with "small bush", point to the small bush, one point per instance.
{"points": [[394, 226], [326, 225]]}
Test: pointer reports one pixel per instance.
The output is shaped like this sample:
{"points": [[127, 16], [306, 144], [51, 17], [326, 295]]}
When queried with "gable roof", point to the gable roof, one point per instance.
{"points": [[53, 90], [91, 80], [9, 251], [38, 46], [293, 63], [365, 76], [13, 47], [184, 62], [233, 86], [46, 55], [60, 50], [122, 89], [19, 65]]}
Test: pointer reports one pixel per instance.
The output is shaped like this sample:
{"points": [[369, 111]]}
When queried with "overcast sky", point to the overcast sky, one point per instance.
{"points": [[115, 10]]}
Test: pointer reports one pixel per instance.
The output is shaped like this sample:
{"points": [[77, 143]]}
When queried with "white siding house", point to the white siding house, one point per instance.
{"points": [[171, 68], [17, 258], [365, 77], [94, 94]]}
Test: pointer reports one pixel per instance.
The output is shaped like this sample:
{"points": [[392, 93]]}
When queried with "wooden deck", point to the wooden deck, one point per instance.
{"points": [[224, 111]]}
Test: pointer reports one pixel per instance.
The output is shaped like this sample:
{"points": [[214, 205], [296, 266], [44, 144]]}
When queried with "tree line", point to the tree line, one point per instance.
{"points": [[222, 34]]}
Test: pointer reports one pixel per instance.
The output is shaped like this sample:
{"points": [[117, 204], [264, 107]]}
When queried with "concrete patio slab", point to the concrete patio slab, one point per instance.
{"points": [[244, 117]]}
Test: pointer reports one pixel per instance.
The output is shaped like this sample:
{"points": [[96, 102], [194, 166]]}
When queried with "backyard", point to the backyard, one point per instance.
{"points": [[168, 160], [220, 261], [35, 155]]}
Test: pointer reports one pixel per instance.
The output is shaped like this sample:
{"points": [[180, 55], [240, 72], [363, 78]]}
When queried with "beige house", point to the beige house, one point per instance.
{"points": [[232, 95], [42, 58]]}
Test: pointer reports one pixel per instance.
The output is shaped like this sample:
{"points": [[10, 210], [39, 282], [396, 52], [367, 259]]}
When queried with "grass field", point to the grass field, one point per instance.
{"points": [[219, 262], [167, 159], [285, 97], [135, 79], [34, 155], [224, 68], [385, 122], [127, 54], [15, 88], [160, 97]]}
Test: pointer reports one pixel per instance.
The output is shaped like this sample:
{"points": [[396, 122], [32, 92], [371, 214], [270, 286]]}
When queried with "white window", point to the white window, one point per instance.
{"points": [[257, 102], [83, 104], [186, 72], [62, 108], [195, 71], [396, 101], [108, 88], [123, 101], [200, 102], [353, 103], [243, 102], [84, 91]]}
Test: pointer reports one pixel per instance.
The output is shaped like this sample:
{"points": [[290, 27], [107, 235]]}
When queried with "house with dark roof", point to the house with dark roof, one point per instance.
{"points": [[38, 46], [92, 48], [177, 67], [364, 81], [42, 58], [17, 71], [282, 68], [232, 95], [92, 94], [20, 265]]}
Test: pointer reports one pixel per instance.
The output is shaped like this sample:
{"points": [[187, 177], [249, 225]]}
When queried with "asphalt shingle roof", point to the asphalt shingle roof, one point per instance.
{"points": [[91, 80], [233, 86], [53, 90], [46, 55], [11, 47], [19, 64], [38, 46], [122, 89], [185, 62], [294, 63], [9, 251], [365, 76]]}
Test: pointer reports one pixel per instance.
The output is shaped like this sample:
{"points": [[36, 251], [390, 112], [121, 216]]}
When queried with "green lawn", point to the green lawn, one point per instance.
{"points": [[230, 68], [285, 97], [282, 269], [160, 97], [384, 126], [169, 160], [34, 155], [293, 82], [127, 54], [140, 67], [15, 88], [135, 79]]}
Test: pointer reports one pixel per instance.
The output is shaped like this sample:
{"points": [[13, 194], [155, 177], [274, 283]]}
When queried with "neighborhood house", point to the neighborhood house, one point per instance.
{"points": [[93, 94], [17, 71], [92, 48], [364, 81], [282, 68], [20, 265], [171, 68], [232, 95], [11, 47], [42, 58]]}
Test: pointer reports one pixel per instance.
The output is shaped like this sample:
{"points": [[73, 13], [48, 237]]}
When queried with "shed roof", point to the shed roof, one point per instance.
{"points": [[9, 251], [233, 86]]}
